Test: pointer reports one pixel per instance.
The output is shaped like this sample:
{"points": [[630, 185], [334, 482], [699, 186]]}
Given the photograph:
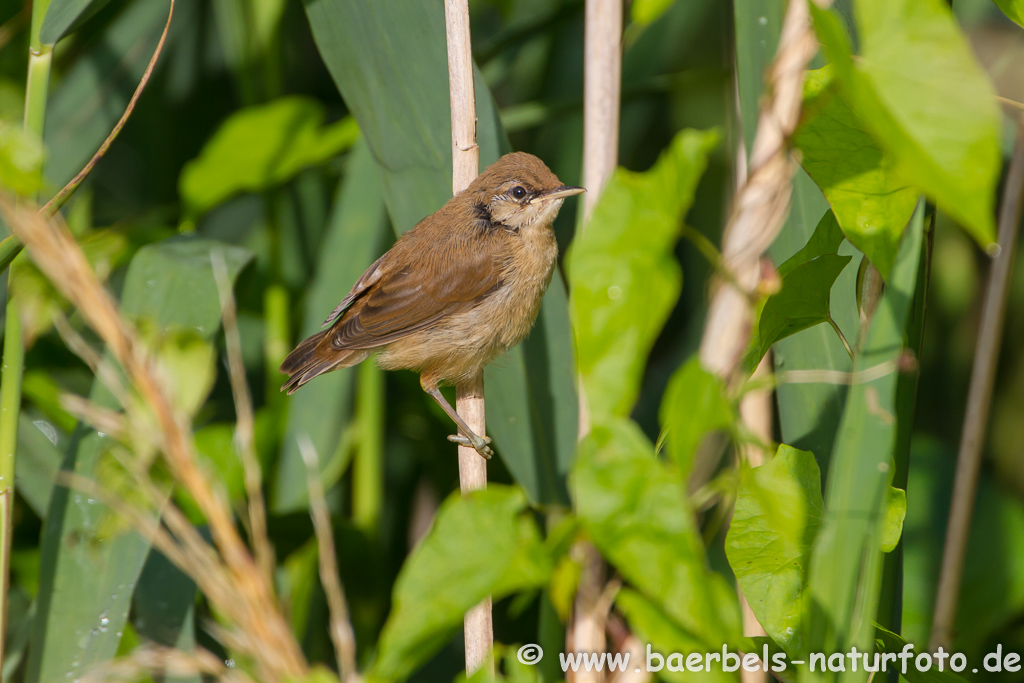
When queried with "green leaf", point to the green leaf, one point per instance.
{"points": [[1014, 9], [888, 641], [922, 95], [185, 360], [391, 67], [871, 203], [646, 12], [636, 513], [164, 608], [892, 520], [87, 577], [260, 147], [624, 278], [480, 545], [355, 233], [803, 301], [825, 239], [171, 283], [844, 594], [666, 638], [778, 510], [62, 16], [695, 404], [21, 159], [39, 457]]}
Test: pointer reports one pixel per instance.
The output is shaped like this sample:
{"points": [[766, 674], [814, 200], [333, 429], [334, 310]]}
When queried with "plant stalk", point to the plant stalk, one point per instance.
{"points": [[469, 396], [37, 82], [367, 467], [979, 399]]}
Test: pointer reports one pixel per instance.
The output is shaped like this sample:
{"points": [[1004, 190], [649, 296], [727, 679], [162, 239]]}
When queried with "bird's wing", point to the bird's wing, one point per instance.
{"points": [[414, 289], [366, 280]]}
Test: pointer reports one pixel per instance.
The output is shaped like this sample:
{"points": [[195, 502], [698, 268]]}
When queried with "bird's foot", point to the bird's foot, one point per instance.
{"points": [[475, 441]]}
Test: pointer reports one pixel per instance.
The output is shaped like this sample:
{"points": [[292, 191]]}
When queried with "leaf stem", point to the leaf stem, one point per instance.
{"points": [[842, 337]]}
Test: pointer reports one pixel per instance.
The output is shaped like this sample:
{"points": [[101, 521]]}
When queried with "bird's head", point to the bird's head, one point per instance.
{"points": [[518, 191]]}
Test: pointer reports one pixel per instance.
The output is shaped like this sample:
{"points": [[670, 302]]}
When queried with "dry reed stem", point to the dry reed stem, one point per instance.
{"points": [[602, 82], [245, 422], [61, 259], [979, 399], [762, 203], [469, 396], [342, 635]]}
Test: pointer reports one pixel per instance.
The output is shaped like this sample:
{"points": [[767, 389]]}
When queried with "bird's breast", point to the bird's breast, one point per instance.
{"points": [[513, 308]]}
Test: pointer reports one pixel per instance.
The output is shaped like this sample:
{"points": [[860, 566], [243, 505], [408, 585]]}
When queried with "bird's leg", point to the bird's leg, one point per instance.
{"points": [[468, 437]]}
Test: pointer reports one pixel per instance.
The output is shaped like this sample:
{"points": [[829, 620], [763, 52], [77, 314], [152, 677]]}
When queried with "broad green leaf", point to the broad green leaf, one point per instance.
{"points": [[844, 594], [260, 147], [171, 283], [21, 159], [354, 239], [778, 510], [87, 579], [1014, 9], [757, 24], [800, 308], [40, 447], [871, 203], [803, 301], [624, 278], [636, 513], [185, 360], [667, 639], [62, 16], [480, 545], [825, 239], [892, 521], [922, 95], [163, 608], [695, 404], [390, 64]]}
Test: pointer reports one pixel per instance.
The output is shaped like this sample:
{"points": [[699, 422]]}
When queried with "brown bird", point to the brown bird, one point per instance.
{"points": [[454, 292]]}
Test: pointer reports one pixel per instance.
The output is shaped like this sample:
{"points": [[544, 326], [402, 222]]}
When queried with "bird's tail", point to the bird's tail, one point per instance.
{"points": [[310, 359]]}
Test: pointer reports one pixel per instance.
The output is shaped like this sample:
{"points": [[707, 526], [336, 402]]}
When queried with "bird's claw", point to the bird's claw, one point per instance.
{"points": [[477, 442]]}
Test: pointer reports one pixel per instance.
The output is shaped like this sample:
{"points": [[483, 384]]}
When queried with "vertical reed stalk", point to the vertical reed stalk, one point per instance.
{"points": [[36, 86], [469, 396], [979, 398], [602, 78]]}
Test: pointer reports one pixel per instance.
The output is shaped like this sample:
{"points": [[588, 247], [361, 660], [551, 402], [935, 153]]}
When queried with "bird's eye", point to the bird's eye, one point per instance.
{"points": [[518, 192]]}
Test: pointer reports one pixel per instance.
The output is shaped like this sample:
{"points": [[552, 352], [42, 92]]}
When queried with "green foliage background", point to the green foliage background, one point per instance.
{"points": [[298, 138]]}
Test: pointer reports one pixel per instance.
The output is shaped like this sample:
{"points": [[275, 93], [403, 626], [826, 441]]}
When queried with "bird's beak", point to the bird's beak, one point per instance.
{"points": [[557, 193]]}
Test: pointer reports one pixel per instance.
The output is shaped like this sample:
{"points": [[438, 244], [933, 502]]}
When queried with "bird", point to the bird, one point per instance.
{"points": [[453, 293]]}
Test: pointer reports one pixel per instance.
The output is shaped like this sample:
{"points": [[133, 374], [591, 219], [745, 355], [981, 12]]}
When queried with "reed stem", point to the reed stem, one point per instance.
{"points": [[469, 401]]}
